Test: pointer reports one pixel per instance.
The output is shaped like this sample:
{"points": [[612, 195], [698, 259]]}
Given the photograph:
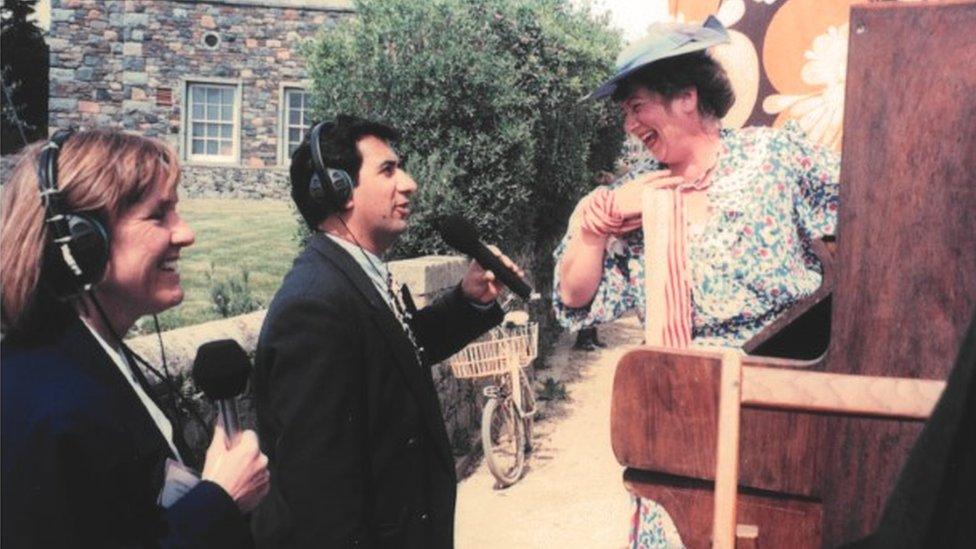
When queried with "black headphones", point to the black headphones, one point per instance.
{"points": [[76, 252], [329, 188]]}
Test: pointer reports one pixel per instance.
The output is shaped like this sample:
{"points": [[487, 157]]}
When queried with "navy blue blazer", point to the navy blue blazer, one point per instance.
{"points": [[83, 460], [351, 422]]}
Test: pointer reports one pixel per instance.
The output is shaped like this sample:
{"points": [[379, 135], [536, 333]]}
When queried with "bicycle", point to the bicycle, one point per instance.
{"points": [[506, 420]]}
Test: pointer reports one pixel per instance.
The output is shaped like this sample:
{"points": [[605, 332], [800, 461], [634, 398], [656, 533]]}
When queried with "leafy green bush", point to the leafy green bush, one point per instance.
{"points": [[231, 296], [487, 97]]}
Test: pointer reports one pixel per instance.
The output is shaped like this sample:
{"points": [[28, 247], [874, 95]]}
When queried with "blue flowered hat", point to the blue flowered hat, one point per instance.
{"points": [[663, 40]]}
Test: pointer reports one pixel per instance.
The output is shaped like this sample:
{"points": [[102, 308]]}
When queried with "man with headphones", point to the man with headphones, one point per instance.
{"points": [[346, 405]]}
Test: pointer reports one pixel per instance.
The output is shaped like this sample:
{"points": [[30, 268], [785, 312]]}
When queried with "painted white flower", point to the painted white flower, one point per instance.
{"points": [[731, 11], [820, 114]]}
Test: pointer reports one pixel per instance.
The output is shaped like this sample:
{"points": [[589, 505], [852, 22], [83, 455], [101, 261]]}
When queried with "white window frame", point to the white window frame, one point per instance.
{"points": [[284, 159], [186, 137]]}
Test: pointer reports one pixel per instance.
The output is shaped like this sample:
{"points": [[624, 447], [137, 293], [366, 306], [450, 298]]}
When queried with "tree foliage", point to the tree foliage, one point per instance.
{"points": [[486, 94], [25, 76]]}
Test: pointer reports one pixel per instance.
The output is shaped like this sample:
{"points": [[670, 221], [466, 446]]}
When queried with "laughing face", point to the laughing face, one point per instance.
{"points": [[662, 125], [143, 270], [381, 199]]}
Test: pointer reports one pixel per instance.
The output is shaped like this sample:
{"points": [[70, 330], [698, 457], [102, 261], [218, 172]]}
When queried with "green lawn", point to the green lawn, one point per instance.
{"points": [[231, 235]]}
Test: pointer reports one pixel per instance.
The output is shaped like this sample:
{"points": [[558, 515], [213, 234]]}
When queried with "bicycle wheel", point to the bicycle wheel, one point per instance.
{"points": [[528, 409], [502, 437]]}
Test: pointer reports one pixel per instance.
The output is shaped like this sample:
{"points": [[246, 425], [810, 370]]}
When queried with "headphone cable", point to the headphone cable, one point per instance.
{"points": [[164, 376]]}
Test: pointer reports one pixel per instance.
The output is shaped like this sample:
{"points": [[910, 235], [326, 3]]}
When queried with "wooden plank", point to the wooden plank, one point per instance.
{"points": [[727, 467], [817, 391], [906, 266], [657, 210]]}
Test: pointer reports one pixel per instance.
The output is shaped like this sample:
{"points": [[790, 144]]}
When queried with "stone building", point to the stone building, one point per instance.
{"points": [[222, 80]]}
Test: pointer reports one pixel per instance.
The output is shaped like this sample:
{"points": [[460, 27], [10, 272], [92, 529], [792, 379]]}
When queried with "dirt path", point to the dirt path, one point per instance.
{"points": [[572, 495]]}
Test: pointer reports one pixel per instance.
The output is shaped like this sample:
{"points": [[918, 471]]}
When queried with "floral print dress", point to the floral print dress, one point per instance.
{"points": [[772, 193]]}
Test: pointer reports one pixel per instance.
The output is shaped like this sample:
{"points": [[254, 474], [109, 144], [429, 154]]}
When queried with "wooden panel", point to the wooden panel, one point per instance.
{"points": [[664, 414], [906, 269], [785, 522]]}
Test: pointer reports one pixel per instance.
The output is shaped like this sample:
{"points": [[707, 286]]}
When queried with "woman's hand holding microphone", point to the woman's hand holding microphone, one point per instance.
{"points": [[241, 470]]}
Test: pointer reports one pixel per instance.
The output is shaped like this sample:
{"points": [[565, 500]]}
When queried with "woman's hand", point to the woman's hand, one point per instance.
{"points": [[628, 197], [242, 470], [479, 285]]}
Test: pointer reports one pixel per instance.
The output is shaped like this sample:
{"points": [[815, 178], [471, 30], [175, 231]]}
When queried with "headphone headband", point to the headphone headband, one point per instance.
{"points": [[328, 188], [76, 252]]}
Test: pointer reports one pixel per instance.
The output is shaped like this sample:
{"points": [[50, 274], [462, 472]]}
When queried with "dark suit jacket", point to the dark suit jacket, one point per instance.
{"points": [[350, 420], [83, 460]]}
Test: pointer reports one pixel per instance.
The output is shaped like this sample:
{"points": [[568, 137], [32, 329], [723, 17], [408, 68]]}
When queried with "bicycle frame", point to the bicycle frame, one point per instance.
{"points": [[510, 386]]}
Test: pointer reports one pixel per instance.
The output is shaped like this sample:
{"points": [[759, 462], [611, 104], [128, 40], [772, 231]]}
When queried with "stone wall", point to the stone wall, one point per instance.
{"points": [[427, 277], [253, 183], [126, 64]]}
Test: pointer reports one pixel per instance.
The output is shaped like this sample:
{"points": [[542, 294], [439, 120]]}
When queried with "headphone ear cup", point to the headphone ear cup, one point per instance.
{"points": [[90, 244], [316, 192], [342, 186], [69, 272]]}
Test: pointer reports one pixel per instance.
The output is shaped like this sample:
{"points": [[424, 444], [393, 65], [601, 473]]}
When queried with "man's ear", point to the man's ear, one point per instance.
{"points": [[352, 196]]}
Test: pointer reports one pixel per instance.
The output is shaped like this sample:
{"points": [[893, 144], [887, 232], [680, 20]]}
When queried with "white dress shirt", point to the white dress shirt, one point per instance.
{"points": [[165, 427]]}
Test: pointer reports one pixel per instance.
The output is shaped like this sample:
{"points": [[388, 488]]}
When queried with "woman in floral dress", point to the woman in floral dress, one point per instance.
{"points": [[752, 202]]}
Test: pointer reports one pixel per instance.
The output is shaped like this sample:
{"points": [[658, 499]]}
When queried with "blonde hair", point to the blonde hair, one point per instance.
{"points": [[100, 172]]}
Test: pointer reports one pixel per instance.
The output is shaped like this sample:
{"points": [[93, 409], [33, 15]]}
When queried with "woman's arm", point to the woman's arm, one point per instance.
{"points": [[581, 267]]}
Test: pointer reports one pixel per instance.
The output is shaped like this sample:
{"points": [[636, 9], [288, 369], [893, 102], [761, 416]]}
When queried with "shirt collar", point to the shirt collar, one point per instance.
{"points": [[374, 267]]}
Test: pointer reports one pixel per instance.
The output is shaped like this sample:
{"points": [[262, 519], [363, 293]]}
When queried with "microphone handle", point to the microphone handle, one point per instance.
{"points": [[229, 419], [503, 274]]}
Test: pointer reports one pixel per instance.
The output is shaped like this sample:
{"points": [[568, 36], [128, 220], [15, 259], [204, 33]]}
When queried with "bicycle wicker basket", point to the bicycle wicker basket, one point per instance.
{"points": [[489, 355]]}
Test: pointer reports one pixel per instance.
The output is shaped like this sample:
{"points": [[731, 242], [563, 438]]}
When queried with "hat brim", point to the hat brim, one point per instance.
{"points": [[711, 33]]}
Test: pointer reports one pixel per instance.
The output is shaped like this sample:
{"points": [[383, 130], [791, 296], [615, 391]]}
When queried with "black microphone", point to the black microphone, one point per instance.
{"points": [[220, 370], [463, 237]]}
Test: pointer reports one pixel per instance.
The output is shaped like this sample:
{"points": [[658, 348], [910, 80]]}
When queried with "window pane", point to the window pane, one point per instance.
{"points": [[197, 93], [294, 135], [212, 130], [198, 110], [213, 96], [211, 147], [226, 148], [291, 148], [197, 146], [226, 131], [295, 117], [294, 100], [197, 130], [225, 113], [228, 96]]}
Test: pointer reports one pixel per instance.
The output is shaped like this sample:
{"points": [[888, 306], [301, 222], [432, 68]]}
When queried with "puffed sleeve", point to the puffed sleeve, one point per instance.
{"points": [[817, 176]]}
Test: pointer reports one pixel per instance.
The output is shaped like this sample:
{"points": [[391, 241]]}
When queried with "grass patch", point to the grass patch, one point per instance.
{"points": [[232, 235]]}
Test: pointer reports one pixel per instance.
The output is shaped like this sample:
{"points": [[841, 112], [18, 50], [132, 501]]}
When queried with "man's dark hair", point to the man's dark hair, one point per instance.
{"points": [[672, 75], [338, 144]]}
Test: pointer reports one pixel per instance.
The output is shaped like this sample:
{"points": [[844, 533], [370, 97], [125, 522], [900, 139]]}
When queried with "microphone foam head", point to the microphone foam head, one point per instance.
{"points": [[459, 234], [221, 369]]}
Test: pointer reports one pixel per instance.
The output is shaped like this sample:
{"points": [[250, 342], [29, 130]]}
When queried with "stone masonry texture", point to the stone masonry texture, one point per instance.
{"points": [[113, 63]]}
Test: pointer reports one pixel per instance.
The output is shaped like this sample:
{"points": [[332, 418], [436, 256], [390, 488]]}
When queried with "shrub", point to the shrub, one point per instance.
{"points": [[486, 95], [231, 296], [552, 390]]}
